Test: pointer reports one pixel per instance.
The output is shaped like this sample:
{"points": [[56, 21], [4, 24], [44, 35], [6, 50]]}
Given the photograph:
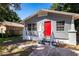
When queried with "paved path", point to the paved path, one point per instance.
{"points": [[48, 51]]}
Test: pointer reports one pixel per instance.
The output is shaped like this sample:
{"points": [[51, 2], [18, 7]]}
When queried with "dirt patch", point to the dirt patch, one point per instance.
{"points": [[17, 48], [74, 47]]}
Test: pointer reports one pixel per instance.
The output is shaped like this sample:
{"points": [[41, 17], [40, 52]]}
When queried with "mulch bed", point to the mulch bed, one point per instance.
{"points": [[74, 47], [63, 45]]}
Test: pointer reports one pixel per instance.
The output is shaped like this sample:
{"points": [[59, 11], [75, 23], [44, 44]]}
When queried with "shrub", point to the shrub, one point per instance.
{"points": [[2, 35]]}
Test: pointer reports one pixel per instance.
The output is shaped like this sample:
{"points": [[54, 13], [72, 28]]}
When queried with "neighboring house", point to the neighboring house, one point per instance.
{"points": [[11, 28], [52, 25]]}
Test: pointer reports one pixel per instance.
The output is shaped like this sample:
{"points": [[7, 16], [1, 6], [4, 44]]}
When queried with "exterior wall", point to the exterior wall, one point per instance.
{"points": [[2, 29], [60, 34], [11, 30], [53, 18]]}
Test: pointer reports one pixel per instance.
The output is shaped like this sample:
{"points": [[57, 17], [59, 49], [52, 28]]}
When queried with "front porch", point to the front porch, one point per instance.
{"points": [[35, 35], [70, 31]]}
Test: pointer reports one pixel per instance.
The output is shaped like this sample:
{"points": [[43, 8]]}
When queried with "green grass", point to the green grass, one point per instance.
{"points": [[10, 39]]}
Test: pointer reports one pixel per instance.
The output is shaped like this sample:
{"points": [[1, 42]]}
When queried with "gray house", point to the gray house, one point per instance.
{"points": [[51, 25]]}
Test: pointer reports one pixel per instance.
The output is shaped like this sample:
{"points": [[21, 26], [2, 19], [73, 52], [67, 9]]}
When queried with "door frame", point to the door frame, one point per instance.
{"points": [[50, 28]]}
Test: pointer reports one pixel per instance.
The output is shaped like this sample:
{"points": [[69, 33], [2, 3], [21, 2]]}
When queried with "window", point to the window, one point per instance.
{"points": [[60, 25], [29, 27], [32, 27]]}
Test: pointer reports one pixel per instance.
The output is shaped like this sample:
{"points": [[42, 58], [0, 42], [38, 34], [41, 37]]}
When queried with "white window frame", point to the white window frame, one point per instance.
{"points": [[60, 26], [32, 28]]}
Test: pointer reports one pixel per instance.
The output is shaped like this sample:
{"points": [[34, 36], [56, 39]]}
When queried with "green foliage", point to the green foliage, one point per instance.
{"points": [[54, 6], [57, 6], [7, 12], [10, 39], [3, 35], [68, 7]]}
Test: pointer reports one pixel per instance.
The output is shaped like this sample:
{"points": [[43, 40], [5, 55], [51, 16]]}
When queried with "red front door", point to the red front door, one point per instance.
{"points": [[47, 28]]}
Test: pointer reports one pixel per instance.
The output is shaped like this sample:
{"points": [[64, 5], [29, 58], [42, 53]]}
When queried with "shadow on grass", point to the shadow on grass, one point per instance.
{"points": [[10, 39], [12, 45], [21, 53]]}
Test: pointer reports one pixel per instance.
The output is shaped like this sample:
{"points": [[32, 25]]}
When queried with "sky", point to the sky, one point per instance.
{"points": [[28, 9]]}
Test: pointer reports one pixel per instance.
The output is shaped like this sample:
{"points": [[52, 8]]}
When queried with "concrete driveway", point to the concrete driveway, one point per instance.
{"points": [[49, 51]]}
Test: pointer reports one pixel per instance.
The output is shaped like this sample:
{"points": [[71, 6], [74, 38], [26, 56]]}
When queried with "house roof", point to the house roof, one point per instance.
{"points": [[6, 23], [75, 15]]}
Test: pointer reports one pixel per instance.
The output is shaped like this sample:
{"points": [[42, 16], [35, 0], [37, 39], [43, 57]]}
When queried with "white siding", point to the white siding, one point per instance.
{"points": [[53, 18], [2, 29]]}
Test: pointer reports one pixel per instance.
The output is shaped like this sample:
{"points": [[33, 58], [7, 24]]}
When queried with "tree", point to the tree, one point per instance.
{"points": [[68, 7], [57, 6], [54, 6], [72, 7], [7, 12]]}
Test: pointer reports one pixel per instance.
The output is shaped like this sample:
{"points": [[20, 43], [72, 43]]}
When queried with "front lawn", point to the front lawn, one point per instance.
{"points": [[10, 39], [21, 47]]}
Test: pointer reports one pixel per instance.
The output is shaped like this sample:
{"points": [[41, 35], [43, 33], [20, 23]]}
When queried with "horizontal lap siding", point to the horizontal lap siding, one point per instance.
{"points": [[60, 34], [53, 18]]}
